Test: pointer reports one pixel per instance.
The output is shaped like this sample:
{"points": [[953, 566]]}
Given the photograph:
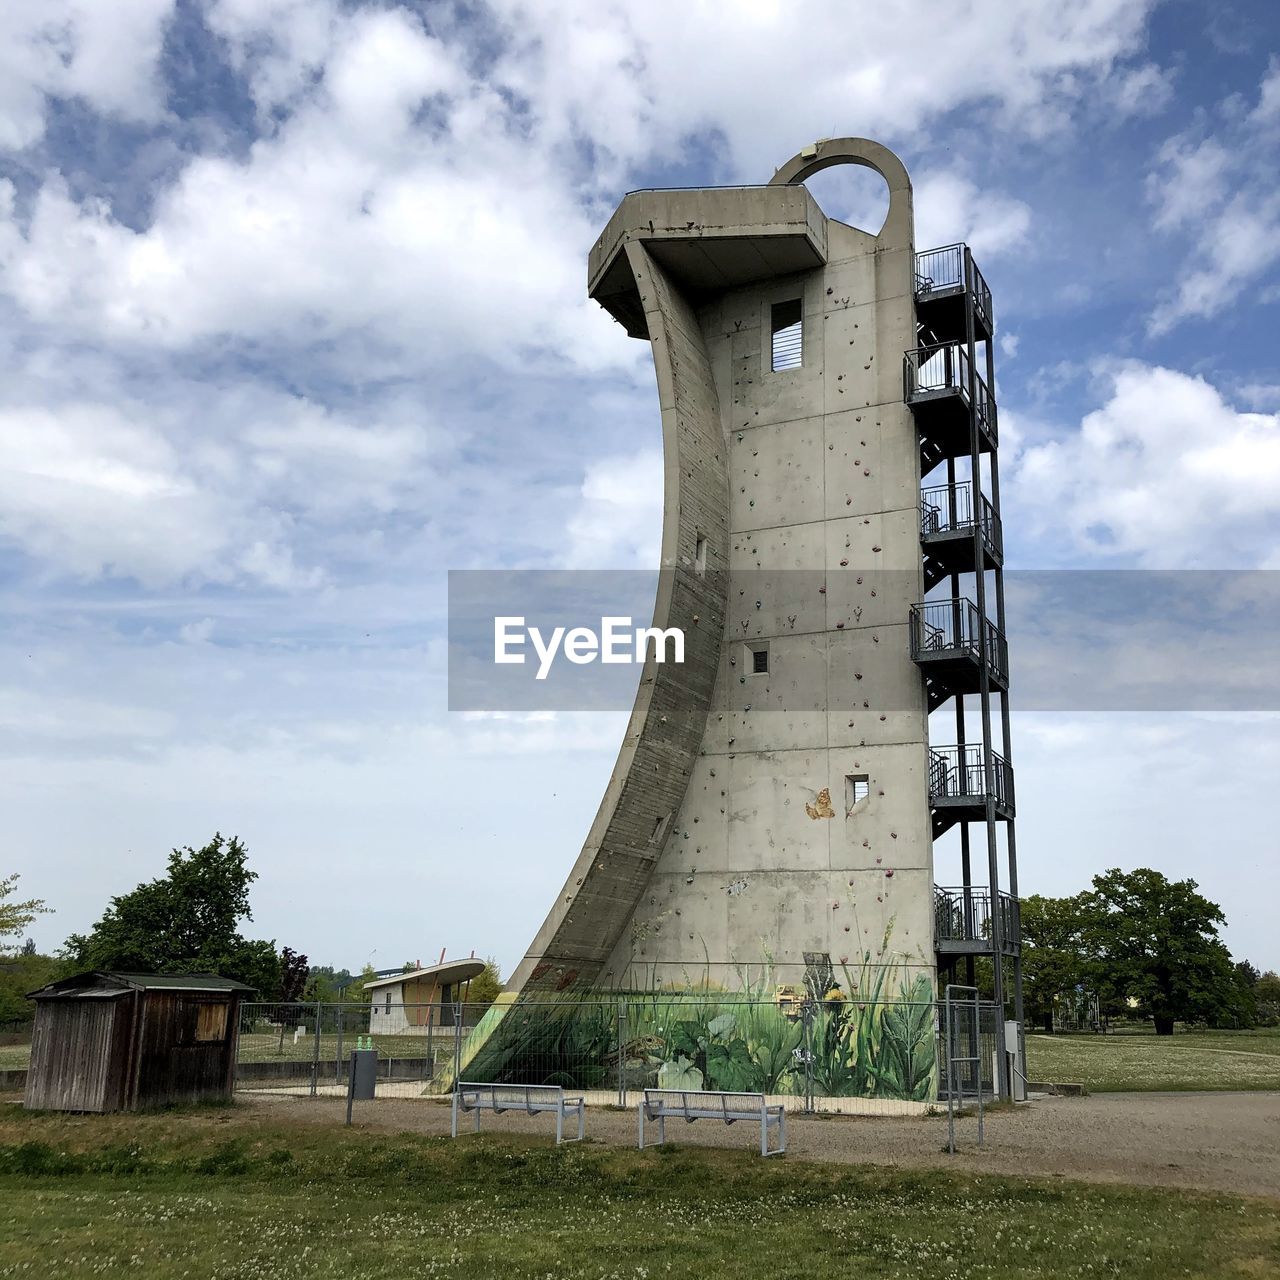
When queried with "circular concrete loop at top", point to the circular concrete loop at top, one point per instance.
{"points": [[861, 151]]}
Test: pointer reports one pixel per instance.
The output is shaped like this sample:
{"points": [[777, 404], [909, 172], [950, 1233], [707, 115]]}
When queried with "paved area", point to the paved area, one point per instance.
{"points": [[1206, 1141]]}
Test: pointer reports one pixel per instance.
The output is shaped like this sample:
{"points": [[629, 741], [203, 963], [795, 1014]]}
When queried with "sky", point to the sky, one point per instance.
{"points": [[293, 321]]}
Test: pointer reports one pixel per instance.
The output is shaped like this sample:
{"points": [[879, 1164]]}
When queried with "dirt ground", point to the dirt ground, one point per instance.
{"points": [[1206, 1141]]}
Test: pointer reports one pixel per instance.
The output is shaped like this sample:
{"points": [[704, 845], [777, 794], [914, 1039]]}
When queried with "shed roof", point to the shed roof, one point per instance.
{"points": [[99, 984], [449, 971]]}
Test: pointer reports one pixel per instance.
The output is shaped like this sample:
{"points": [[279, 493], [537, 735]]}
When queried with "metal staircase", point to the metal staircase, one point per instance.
{"points": [[958, 630]]}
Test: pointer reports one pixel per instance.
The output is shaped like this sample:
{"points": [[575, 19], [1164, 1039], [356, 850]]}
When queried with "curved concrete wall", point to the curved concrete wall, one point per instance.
{"points": [[668, 720]]}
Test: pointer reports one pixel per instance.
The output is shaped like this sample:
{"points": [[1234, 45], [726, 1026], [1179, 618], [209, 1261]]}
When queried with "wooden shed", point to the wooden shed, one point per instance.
{"points": [[121, 1041]]}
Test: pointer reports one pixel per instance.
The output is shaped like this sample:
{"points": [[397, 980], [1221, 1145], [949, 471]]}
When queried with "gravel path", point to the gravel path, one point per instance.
{"points": [[1206, 1141]]}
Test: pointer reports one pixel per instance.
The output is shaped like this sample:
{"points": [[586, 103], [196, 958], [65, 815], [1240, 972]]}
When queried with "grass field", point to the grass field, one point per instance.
{"points": [[1191, 1060], [220, 1193]]}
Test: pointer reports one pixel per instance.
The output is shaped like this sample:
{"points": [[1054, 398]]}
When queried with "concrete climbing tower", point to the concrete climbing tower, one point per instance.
{"points": [[772, 814]]}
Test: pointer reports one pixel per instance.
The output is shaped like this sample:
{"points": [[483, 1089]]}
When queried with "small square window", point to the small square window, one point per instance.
{"points": [[756, 658], [211, 1022], [786, 327], [857, 787]]}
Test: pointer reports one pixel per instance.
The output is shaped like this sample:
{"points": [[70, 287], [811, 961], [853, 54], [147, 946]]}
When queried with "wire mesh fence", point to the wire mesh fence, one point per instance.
{"points": [[813, 1054]]}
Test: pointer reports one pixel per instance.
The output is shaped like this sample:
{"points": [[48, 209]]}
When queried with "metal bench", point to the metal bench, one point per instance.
{"points": [[532, 1099], [690, 1105]]}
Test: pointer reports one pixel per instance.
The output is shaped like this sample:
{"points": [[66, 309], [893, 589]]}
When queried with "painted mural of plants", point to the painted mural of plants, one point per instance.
{"points": [[868, 1033], [908, 1048]]}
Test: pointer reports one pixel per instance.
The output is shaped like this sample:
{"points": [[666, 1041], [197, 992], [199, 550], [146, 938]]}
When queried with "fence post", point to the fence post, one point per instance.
{"points": [[622, 1072], [315, 1054], [337, 1057], [457, 1043], [806, 1014]]}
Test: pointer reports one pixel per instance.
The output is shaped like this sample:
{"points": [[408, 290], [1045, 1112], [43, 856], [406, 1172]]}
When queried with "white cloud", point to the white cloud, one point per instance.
{"points": [[950, 207], [1142, 91], [192, 483], [1167, 473], [1268, 109], [424, 198], [618, 521], [1218, 192], [105, 54]]}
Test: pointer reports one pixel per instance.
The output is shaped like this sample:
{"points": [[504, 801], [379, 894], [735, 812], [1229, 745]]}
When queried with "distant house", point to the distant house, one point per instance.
{"points": [[409, 1003], [106, 1041]]}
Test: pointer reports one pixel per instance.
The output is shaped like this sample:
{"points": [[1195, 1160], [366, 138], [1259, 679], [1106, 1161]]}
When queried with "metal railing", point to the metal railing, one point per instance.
{"points": [[952, 267], [931, 369], [948, 508], [958, 772], [956, 626], [963, 914], [839, 1040], [944, 367]]}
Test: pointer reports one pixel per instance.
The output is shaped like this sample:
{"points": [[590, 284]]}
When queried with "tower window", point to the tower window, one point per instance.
{"points": [[758, 658], [857, 787], [700, 557], [786, 326]]}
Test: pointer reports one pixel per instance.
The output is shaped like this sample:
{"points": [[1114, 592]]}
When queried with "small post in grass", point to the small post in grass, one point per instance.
{"points": [[351, 1085]]}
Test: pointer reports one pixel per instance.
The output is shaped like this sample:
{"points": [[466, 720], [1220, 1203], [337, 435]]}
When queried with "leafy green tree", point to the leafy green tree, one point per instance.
{"points": [[326, 984], [1266, 993], [355, 991], [486, 985], [25, 972], [186, 921], [1054, 958], [1155, 941], [15, 916], [1240, 1009]]}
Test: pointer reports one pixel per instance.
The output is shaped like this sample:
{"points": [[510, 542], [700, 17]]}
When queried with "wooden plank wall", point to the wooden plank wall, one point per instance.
{"points": [[73, 1066], [175, 1065]]}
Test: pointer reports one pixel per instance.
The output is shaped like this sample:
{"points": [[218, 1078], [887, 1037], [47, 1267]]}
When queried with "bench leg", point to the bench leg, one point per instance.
{"points": [[477, 1128], [640, 1115], [582, 1120], [559, 1124], [455, 1114]]}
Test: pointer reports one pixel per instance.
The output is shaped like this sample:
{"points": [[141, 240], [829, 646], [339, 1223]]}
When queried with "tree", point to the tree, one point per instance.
{"points": [[485, 986], [325, 983], [186, 921], [1155, 942], [293, 975], [23, 973], [1239, 1007], [1053, 953], [355, 992], [15, 916], [1266, 992]]}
